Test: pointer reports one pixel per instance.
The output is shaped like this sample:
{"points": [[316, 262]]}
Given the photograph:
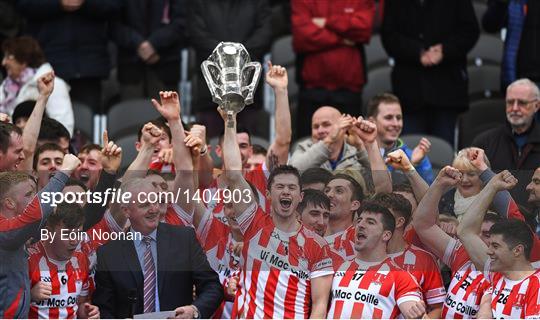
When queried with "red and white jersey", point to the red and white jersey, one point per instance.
{"points": [[371, 290], [97, 236], [216, 239], [277, 268], [69, 280], [177, 216], [342, 245], [466, 287], [162, 167], [421, 265], [515, 299]]}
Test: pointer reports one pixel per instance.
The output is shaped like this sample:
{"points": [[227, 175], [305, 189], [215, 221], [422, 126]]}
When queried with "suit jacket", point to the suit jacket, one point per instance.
{"points": [[181, 263], [410, 27]]}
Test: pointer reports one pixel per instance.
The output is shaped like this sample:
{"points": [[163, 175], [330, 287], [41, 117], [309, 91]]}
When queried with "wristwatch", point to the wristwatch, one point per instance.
{"points": [[196, 313]]}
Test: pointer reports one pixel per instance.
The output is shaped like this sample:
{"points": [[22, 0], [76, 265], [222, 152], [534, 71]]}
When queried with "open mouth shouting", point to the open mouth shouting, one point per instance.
{"points": [[361, 236], [285, 203], [84, 176]]}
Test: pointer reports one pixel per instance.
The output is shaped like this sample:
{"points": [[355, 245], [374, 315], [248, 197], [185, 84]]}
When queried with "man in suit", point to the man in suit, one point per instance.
{"points": [[157, 270]]}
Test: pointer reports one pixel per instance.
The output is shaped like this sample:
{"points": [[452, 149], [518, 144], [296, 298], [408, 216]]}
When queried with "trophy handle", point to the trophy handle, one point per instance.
{"points": [[212, 85], [253, 85]]}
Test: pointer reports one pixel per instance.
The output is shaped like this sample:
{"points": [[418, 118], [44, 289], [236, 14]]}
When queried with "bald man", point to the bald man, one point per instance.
{"points": [[328, 147]]}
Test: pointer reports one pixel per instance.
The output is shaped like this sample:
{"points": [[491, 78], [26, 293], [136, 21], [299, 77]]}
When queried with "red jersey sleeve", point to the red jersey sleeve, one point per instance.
{"points": [[433, 287], [320, 263], [407, 288], [455, 255], [532, 304], [412, 238]]}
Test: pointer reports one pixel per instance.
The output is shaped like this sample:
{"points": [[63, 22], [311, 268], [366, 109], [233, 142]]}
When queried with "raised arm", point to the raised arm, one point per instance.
{"points": [[321, 151], [170, 110], [197, 136], [111, 158], [195, 143], [149, 139], [15, 231], [233, 164], [469, 228], [503, 203], [33, 125], [425, 217], [367, 131], [278, 153], [399, 161]]}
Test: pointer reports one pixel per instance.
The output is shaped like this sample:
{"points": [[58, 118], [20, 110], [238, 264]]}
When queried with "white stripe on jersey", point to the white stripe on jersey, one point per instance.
{"points": [[63, 276], [374, 292], [277, 270]]}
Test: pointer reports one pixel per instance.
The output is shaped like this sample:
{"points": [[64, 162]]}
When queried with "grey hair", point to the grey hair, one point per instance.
{"points": [[526, 82], [132, 184]]}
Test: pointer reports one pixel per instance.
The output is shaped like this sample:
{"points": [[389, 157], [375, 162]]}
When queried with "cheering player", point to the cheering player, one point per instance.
{"points": [[60, 274], [22, 214], [286, 271], [372, 285], [468, 284], [278, 152], [409, 257], [314, 211], [515, 284], [346, 194]]}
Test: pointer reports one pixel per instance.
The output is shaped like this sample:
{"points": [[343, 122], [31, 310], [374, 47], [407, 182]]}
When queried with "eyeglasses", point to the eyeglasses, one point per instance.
{"points": [[520, 103]]}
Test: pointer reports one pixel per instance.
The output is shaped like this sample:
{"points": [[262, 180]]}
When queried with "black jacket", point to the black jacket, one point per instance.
{"points": [[408, 29], [181, 264], [528, 59], [75, 43], [213, 21], [501, 150], [162, 26]]}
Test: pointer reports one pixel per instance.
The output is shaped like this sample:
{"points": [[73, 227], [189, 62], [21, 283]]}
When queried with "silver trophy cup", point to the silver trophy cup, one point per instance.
{"points": [[231, 76]]}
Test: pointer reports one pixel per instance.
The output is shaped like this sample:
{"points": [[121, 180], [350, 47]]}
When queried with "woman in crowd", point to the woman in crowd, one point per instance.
{"points": [[475, 167], [24, 62]]}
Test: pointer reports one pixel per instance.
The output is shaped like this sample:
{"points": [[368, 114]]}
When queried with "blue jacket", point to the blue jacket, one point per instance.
{"points": [[423, 168]]}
